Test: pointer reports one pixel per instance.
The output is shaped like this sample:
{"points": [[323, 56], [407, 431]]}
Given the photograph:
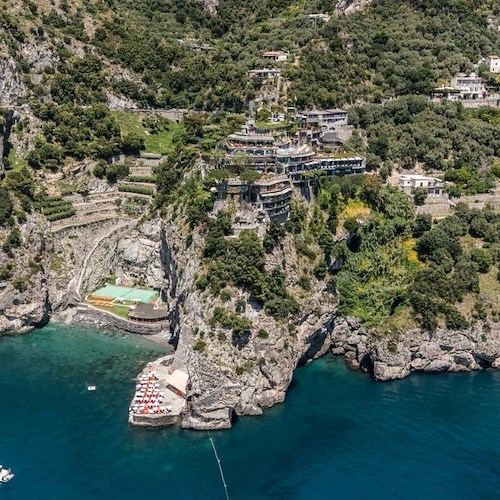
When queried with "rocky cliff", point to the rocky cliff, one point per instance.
{"points": [[53, 271], [7, 121], [227, 376], [444, 350], [11, 85], [351, 6]]}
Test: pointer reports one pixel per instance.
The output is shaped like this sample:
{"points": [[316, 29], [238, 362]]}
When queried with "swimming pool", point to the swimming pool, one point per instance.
{"points": [[127, 293]]}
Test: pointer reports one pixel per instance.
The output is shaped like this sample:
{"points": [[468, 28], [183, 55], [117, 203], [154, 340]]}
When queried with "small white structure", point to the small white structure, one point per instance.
{"points": [[408, 184], [493, 63], [275, 55], [264, 74], [319, 17]]}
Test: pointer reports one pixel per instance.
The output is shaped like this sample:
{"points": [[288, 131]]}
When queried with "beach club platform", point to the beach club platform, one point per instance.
{"points": [[160, 396]]}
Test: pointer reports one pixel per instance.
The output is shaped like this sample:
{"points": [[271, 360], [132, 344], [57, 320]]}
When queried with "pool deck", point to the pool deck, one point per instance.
{"points": [[127, 293]]}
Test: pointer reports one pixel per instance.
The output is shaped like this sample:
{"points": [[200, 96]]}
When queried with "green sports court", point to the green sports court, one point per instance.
{"points": [[126, 293]]}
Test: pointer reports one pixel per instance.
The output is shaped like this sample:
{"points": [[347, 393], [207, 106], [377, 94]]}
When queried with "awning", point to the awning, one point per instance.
{"points": [[178, 380]]}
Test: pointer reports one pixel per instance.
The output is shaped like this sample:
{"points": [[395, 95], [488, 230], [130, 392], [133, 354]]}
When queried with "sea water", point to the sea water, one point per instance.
{"points": [[338, 434]]}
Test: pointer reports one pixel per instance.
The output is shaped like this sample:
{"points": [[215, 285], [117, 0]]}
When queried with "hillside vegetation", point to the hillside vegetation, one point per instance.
{"points": [[76, 64], [149, 51]]}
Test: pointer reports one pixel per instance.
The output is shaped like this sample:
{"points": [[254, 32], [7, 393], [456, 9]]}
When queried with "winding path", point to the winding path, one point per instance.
{"points": [[93, 249]]}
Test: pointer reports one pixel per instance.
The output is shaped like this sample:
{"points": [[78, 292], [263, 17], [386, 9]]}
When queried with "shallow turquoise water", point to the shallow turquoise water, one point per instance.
{"points": [[338, 435]]}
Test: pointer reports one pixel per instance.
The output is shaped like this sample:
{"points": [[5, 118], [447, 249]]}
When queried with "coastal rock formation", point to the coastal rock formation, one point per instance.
{"points": [[228, 375], [415, 350], [239, 374], [24, 300], [53, 271]]}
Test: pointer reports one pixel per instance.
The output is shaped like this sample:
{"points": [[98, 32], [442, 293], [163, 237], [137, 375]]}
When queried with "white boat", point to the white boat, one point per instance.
{"points": [[5, 475], [91, 388]]}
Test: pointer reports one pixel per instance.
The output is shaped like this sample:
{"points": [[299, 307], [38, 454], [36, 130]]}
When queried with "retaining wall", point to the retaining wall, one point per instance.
{"points": [[95, 317]]}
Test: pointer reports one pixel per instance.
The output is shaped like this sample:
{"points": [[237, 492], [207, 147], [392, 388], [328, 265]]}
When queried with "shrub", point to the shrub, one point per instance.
{"points": [[274, 234], [305, 282], [202, 282], [5, 206], [423, 222], [6, 272], [320, 270], [240, 305], [116, 171], [262, 334], [454, 320], [128, 188], [482, 258], [231, 321], [20, 284], [419, 196], [199, 346], [351, 224], [13, 241]]}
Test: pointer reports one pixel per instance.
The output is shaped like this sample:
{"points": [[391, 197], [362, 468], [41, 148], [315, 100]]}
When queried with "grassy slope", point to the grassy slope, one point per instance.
{"points": [[131, 123]]}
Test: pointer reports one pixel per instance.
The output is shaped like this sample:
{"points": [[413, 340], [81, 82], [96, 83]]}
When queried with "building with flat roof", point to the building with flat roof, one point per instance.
{"points": [[262, 75], [470, 86], [271, 194], [320, 17], [409, 182], [324, 120], [275, 55], [282, 164]]}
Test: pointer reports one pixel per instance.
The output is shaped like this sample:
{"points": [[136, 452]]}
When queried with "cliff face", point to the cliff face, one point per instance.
{"points": [[53, 271], [351, 6], [227, 376], [241, 375], [476, 348], [11, 85], [9, 119], [24, 300]]}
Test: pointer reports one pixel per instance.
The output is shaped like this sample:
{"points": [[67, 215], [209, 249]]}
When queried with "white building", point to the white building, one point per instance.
{"points": [[264, 74], [276, 56], [493, 63], [320, 17], [325, 120], [470, 86], [408, 184]]}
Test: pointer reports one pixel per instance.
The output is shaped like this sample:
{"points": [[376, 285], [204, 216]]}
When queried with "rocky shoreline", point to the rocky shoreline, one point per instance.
{"points": [[227, 378], [476, 348]]}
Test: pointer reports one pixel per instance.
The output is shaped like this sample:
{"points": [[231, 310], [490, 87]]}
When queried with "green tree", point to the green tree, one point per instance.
{"points": [[419, 196]]}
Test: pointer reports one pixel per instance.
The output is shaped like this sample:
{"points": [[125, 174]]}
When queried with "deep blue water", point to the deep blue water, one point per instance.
{"points": [[338, 435]]}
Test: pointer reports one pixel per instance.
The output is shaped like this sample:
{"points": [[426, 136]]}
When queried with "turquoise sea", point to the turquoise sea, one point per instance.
{"points": [[338, 435]]}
